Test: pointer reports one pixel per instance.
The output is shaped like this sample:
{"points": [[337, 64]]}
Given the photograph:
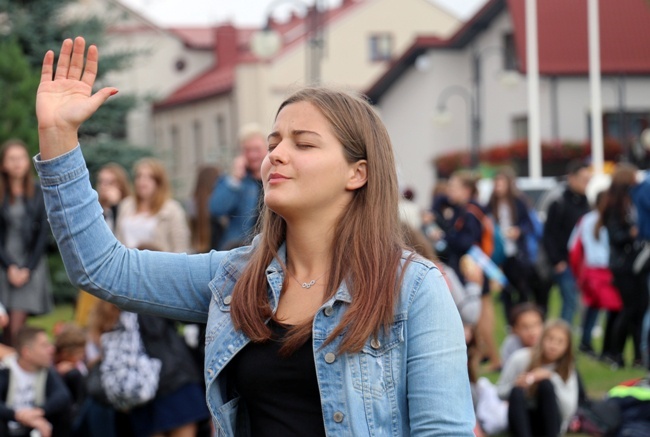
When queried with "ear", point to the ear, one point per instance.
{"points": [[358, 175]]}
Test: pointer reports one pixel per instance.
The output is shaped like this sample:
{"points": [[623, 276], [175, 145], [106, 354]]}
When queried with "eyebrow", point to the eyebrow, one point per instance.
{"points": [[294, 133]]}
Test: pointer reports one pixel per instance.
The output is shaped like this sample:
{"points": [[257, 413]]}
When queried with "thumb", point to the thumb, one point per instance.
{"points": [[98, 99]]}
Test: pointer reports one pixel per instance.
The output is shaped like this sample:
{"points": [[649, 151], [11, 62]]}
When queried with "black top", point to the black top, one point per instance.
{"points": [[281, 394], [561, 218]]}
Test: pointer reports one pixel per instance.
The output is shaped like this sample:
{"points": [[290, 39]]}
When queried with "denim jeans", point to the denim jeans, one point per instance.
{"points": [[569, 291]]}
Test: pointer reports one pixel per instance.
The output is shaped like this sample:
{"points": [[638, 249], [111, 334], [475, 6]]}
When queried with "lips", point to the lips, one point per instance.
{"points": [[277, 177]]}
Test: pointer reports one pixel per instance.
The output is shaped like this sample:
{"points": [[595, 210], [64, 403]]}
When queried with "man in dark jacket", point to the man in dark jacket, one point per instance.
{"points": [[562, 216], [32, 395]]}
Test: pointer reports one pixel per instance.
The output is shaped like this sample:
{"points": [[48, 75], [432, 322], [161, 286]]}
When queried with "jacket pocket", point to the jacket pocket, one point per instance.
{"points": [[373, 368]]}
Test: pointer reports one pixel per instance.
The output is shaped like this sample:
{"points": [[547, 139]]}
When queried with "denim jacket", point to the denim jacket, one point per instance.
{"points": [[411, 380]]}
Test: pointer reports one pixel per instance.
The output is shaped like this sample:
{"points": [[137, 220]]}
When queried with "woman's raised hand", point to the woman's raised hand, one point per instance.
{"points": [[65, 100]]}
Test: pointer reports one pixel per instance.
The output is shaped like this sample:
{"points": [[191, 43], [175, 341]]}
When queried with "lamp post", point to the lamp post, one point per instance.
{"points": [[473, 118], [266, 43], [473, 100]]}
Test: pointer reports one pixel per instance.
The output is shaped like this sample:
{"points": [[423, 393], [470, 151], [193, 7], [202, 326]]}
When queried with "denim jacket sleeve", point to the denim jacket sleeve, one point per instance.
{"points": [[163, 284], [439, 398]]}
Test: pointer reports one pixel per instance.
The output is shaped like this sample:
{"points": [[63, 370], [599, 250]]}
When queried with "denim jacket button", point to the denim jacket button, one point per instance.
{"points": [[330, 357], [375, 344], [338, 417], [328, 311], [227, 300]]}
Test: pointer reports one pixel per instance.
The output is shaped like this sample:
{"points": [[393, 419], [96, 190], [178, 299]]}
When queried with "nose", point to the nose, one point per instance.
{"points": [[278, 155]]}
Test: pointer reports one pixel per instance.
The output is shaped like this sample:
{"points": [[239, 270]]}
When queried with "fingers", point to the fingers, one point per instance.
{"points": [[63, 64], [47, 70], [77, 60], [92, 60]]}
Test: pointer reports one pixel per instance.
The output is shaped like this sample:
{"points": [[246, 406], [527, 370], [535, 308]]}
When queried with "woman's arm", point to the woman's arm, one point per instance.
{"points": [[165, 284], [439, 398], [170, 285]]}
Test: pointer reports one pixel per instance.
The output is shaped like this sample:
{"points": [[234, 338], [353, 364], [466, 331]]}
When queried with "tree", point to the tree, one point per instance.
{"points": [[28, 29], [18, 84]]}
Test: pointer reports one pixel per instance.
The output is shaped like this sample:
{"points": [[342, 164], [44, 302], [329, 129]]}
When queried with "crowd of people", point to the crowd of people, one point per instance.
{"points": [[277, 312]]}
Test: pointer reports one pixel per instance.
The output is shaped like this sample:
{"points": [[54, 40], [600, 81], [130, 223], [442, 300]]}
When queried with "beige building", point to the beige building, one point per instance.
{"points": [[198, 122]]}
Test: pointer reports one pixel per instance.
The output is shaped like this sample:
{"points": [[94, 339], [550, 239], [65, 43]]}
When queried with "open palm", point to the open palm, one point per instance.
{"points": [[64, 100]]}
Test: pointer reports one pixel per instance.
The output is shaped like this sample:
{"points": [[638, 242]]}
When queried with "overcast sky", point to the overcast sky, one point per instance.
{"points": [[246, 12]]}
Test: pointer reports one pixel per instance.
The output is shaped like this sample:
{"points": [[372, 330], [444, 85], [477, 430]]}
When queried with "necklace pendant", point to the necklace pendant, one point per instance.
{"points": [[308, 284]]}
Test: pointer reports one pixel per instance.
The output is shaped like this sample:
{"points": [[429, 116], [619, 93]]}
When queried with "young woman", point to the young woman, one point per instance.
{"points": [[541, 384], [151, 216], [589, 261], [619, 219], [24, 274], [112, 188], [510, 212], [324, 325]]}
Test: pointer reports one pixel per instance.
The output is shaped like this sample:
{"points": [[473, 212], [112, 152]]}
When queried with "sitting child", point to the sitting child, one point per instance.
{"points": [[527, 322]]}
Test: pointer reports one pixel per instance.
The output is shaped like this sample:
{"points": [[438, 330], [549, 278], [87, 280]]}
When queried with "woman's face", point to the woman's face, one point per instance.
{"points": [[554, 344], [305, 172], [500, 186], [16, 162], [145, 184]]}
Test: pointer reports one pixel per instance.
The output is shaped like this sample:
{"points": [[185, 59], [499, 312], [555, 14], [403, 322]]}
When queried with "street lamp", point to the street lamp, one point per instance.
{"points": [[473, 99], [266, 43], [442, 116]]}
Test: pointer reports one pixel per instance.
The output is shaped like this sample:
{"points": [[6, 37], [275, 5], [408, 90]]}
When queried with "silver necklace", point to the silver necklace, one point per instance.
{"points": [[306, 285]]}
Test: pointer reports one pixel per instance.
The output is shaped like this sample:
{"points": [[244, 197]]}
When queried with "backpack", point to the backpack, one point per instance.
{"points": [[492, 242], [129, 377]]}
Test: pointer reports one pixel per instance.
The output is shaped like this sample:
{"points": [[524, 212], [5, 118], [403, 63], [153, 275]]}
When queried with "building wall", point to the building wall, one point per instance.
{"points": [[193, 135], [346, 61]]}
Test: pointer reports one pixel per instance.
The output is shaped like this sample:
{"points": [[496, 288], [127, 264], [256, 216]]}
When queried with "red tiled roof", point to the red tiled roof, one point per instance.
{"points": [[210, 84], [563, 36], [563, 43], [195, 37], [220, 79]]}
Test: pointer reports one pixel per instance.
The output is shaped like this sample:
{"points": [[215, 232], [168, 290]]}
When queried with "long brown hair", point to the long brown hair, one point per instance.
{"points": [[28, 180], [511, 194], [367, 244], [618, 199], [201, 225], [121, 178], [163, 187], [564, 365]]}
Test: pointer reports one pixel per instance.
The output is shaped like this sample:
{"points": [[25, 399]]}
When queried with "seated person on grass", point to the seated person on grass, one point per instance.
{"points": [[527, 324], [32, 395]]}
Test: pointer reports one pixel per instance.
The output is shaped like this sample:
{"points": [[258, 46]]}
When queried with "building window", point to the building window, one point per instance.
{"points": [[520, 127], [624, 126], [381, 47], [220, 125], [176, 154], [198, 143], [509, 52]]}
